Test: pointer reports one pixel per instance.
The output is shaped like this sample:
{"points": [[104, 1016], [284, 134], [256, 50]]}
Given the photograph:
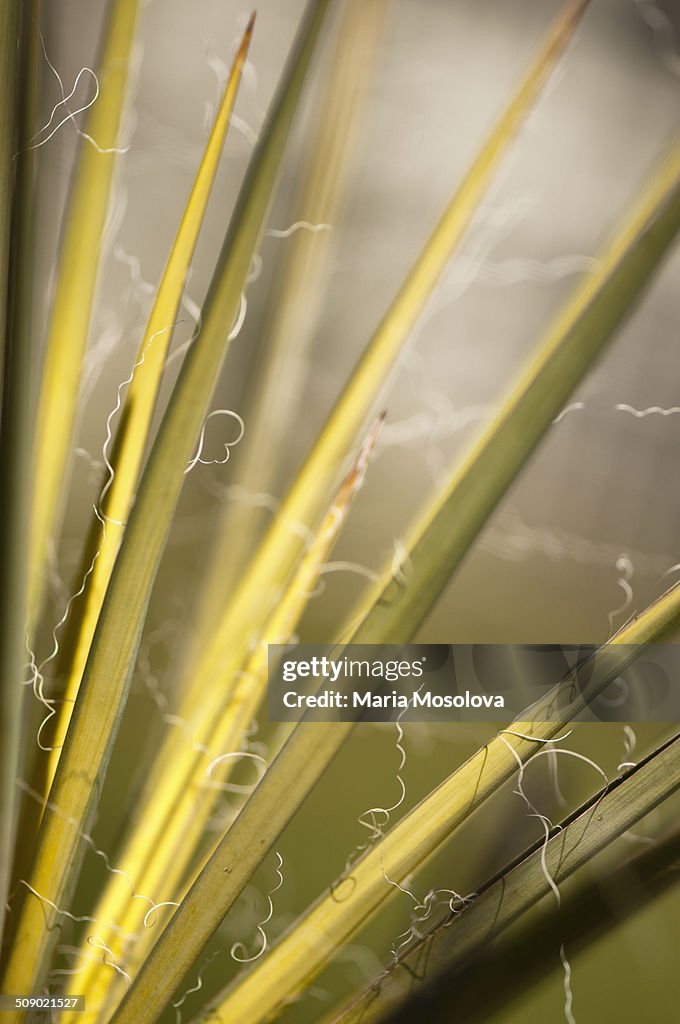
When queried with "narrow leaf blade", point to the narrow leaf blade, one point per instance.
{"points": [[394, 611], [140, 400], [13, 452], [310, 491], [105, 685], [77, 274], [178, 842], [605, 817]]}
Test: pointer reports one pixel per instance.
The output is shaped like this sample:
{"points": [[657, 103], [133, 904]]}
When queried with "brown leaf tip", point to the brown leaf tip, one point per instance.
{"points": [[247, 37]]}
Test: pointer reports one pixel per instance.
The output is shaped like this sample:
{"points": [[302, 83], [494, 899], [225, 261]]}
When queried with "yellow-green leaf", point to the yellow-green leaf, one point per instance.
{"points": [[309, 494], [178, 845], [140, 400], [14, 448], [76, 282], [450, 942], [279, 374], [329, 923], [106, 681], [244, 618], [393, 612]]}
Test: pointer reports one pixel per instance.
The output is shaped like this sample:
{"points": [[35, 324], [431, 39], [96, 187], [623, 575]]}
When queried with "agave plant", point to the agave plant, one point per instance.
{"points": [[136, 940]]}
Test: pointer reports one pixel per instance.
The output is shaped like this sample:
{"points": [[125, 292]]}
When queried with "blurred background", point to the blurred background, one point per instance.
{"points": [[590, 531]]}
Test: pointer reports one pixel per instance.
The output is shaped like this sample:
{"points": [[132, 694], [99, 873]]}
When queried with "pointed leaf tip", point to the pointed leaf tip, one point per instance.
{"points": [[246, 40], [250, 27]]}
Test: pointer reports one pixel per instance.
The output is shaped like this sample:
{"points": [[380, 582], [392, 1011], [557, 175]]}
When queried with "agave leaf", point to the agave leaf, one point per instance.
{"points": [[576, 339], [18, 421], [13, 451], [603, 900], [180, 840], [570, 348], [271, 564], [264, 579], [8, 144], [75, 287], [450, 943], [140, 400], [393, 612], [106, 681], [328, 924], [279, 371]]}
